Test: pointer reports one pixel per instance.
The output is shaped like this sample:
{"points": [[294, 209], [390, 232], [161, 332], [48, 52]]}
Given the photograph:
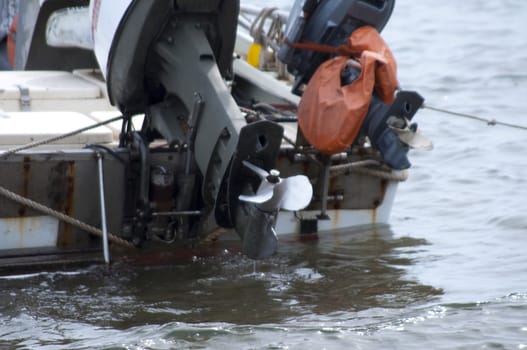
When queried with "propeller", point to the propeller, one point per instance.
{"points": [[292, 193], [255, 222], [409, 134]]}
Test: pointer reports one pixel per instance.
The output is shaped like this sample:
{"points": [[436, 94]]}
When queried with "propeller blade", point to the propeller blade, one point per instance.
{"points": [[264, 194], [292, 193], [414, 139], [258, 171], [296, 192]]}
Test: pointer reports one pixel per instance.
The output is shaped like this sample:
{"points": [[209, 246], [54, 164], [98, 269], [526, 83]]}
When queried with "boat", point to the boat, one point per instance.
{"points": [[148, 135]]}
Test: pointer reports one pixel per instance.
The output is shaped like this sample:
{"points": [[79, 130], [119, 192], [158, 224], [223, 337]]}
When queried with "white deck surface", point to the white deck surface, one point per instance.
{"points": [[18, 128], [46, 85]]}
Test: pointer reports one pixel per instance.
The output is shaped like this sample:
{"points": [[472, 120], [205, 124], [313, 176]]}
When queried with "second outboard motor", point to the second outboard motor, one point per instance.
{"points": [[328, 23], [317, 24]]}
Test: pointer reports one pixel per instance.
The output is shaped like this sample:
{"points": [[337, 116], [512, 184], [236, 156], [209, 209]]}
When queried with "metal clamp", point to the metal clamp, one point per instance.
{"points": [[25, 99]]}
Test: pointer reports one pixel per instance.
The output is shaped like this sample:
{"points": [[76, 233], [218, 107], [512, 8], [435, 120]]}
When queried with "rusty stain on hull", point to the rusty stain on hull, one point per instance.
{"points": [[336, 219], [69, 205], [62, 196], [22, 211], [26, 174]]}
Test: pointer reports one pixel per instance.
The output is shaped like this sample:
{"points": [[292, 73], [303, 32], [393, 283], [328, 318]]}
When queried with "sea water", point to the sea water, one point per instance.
{"points": [[450, 272]]}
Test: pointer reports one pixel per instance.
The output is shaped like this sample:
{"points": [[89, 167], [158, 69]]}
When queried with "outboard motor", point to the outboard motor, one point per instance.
{"points": [[169, 59], [330, 23]]}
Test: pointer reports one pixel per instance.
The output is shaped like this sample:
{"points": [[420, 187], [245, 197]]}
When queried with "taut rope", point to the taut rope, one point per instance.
{"points": [[491, 122]]}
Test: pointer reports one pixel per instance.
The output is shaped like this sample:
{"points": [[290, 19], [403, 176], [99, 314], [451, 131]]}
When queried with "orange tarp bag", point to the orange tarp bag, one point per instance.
{"points": [[368, 39], [330, 115]]}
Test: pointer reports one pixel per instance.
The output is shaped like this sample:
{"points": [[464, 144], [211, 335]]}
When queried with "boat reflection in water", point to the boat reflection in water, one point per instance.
{"points": [[341, 275]]}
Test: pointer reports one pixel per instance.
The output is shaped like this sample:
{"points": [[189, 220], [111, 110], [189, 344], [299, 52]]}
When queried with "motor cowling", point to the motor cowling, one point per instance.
{"points": [[326, 22]]}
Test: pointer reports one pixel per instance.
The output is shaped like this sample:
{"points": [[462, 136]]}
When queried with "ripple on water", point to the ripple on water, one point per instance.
{"points": [[450, 273]]}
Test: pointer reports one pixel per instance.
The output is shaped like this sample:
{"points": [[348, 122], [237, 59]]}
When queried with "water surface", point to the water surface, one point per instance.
{"points": [[449, 273]]}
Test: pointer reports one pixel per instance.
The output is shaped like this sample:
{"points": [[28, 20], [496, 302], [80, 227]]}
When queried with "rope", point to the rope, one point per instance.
{"points": [[491, 122], [46, 210], [400, 176], [360, 168], [274, 34], [270, 36], [63, 217], [56, 138], [257, 27]]}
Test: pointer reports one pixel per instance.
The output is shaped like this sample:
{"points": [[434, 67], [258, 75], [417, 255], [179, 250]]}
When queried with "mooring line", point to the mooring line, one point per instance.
{"points": [[33, 144], [491, 122], [61, 216]]}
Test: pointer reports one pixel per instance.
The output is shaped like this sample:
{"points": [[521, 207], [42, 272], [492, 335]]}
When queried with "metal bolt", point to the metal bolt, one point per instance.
{"points": [[274, 176]]}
